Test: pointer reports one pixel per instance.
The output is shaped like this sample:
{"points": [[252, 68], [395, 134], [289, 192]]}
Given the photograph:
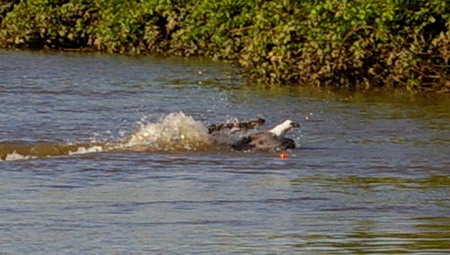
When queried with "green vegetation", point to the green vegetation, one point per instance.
{"points": [[343, 43]]}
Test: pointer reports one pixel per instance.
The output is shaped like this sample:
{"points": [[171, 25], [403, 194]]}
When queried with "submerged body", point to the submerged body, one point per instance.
{"points": [[272, 139]]}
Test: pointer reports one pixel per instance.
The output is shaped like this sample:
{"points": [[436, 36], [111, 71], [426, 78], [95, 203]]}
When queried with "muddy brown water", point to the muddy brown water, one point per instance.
{"points": [[104, 154]]}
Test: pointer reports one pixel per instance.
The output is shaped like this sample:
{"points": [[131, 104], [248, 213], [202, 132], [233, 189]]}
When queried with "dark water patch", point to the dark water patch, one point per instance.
{"points": [[429, 182]]}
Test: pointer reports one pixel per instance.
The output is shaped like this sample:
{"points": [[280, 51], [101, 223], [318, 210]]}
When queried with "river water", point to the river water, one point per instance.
{"points": [[107, 154]]}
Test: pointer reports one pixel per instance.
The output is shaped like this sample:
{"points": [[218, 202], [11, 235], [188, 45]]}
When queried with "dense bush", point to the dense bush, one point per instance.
{"points": [[355, 44]]}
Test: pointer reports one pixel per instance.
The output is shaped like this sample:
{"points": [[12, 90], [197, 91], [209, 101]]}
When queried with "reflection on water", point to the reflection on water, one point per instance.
{"points": [[97, 158], [371, 236]]}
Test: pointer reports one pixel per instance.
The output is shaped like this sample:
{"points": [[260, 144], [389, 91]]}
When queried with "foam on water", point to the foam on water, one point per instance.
{"points": [[17, 156], [84, 150], [173, 132]]}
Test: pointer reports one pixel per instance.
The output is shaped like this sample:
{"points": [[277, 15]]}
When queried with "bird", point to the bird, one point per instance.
{"points": [[272, 139], [243, 126]]}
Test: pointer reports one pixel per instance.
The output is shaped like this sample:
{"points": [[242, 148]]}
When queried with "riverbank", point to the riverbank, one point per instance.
{"points": [[353, 44]]}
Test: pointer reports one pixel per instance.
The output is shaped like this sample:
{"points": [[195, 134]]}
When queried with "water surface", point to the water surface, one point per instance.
{"points": [[371, 174]]}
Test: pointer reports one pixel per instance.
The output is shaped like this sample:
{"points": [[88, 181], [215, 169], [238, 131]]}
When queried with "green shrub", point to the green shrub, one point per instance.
{"points": [[354, 44]]}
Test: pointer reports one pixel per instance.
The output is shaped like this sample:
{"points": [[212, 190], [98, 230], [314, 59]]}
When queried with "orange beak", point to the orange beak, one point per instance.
{"points": [[283, 155]]}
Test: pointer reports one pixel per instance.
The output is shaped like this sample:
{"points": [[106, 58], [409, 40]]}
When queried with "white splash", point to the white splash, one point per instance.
{"points": [[84, 150], [175, 131], [17, 156]]}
